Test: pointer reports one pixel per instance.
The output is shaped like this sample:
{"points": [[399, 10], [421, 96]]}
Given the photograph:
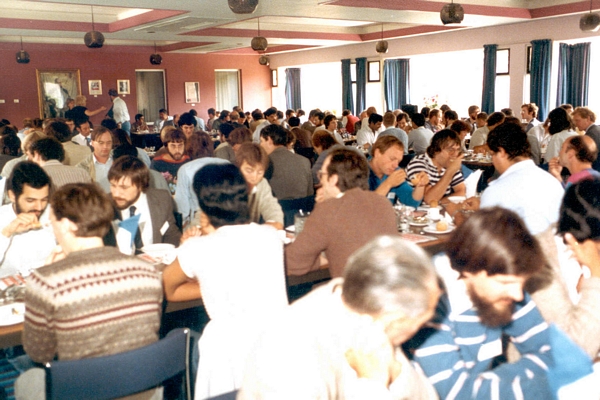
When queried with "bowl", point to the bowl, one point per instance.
{"points": [[164, 252], [457, 199]]}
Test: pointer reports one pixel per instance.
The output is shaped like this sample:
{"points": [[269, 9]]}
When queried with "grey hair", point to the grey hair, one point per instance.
{"points": [[389, 274]]}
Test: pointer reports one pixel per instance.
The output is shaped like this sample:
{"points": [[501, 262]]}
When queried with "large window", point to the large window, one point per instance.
{"points": [[502, 79], [227, 84]]}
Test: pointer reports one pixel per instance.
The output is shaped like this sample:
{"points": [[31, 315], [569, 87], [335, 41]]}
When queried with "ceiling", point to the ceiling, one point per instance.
{"points": [[209, 26]]}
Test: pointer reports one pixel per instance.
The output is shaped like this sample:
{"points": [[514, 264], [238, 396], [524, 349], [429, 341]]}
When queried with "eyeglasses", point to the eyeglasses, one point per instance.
{"points": [[321, 174], [451, 150]]}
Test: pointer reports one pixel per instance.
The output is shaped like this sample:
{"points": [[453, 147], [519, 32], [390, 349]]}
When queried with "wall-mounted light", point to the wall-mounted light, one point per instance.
{"points": [[93, 39]]}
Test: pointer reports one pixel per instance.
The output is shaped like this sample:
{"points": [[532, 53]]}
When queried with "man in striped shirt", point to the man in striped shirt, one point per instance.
{"points": [[490, 258], [442, 162]]}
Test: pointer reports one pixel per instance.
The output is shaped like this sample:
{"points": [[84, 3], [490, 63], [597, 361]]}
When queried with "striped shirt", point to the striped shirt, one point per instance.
{"points": [[424, 163], [460, 355]]}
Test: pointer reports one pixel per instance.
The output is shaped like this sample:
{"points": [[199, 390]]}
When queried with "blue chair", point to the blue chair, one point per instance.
{"points": [[122, 374]]}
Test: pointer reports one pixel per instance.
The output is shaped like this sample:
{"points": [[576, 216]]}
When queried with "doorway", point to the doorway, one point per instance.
{"points": [[150, 93], [227, 84]]}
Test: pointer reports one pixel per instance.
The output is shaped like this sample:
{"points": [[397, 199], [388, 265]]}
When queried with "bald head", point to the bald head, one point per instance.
{"points": [[584, 146]]}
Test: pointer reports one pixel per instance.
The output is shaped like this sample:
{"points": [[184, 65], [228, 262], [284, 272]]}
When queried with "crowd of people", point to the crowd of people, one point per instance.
{"points": [[494, 316]]}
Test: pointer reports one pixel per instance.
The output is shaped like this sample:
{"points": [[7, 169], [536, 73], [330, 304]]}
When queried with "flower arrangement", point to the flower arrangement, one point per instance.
{"points": [[431, 102]]}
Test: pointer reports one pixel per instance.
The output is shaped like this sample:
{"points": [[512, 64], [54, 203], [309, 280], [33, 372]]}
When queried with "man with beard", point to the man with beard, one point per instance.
{"points": [[129, 187], [490, 259], [25, 239], [174, 141]]}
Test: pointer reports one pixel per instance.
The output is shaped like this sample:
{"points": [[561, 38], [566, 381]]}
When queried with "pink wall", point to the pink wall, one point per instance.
{"points": [[110, 63]]}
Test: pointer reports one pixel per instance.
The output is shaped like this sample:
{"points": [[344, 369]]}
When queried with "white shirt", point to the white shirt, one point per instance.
{"points": [[529, 191], [120, 112], [24, 251], [145, 222], [102, 173], [82, 140], [256, 134]]}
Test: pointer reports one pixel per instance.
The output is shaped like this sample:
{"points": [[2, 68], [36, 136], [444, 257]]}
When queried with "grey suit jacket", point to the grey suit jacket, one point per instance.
{"points": [[594, 132], [291, 175]]}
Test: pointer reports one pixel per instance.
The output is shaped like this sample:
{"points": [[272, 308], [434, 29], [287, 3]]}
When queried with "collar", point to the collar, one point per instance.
{"points": [[98, 162], [516, 168]]}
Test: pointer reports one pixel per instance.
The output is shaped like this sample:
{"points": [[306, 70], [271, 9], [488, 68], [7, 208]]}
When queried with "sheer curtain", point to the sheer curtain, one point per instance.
{"points": [[347, 100], [396, 76], [227, 88], [488, 94], [541, 62], [573, 74], [361, 84], [293, 92]]}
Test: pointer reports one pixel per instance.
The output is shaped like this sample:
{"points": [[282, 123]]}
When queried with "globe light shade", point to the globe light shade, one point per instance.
{"points": [[22, 57], [589, 22], [242, 6], [259, 43], [382, 47], [93, 39], [155, 59], [452, 13], [263, 60]]}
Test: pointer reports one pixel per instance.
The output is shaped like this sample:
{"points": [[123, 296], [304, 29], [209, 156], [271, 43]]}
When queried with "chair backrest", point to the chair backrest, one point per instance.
{"points": [[122, 374], [292, 206]]}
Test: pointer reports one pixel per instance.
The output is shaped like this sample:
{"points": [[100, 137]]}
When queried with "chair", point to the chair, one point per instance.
{"points": [[292, 206], [122, 374]]}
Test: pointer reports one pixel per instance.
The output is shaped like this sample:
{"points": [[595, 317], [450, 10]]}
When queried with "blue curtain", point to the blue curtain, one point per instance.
{"points": [[361, 84], [347, 100], [573, 74], [488, 94], [293, 98], [541, 61], [396, 75]]}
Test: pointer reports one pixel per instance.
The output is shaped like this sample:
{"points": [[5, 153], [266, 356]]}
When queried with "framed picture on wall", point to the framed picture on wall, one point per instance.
{"points": [[374, 71], [54, 88], [95, 87], [192, 92], [123, 86]]}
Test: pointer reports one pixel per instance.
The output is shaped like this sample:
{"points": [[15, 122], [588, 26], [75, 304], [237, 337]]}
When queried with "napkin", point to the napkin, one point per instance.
{"points": [[471, 183], [125, 236]]}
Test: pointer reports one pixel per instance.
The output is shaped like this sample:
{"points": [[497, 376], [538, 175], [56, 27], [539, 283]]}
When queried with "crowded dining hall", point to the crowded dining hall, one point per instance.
{"points": [[309, 200]]}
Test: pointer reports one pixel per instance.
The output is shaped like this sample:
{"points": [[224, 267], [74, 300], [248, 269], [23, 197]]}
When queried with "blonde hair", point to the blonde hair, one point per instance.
{"points": [[80, 100]]}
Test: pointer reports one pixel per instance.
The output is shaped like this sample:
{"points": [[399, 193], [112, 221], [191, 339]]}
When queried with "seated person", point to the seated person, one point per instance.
{"points": [[386, 179], [490, 259], [442, 162], [113, 302], [170, 161], [252, 160], [323, 143], [25, 241], [224, 150], [347, 215], [139, 126], [240, 273], [342, 339]]}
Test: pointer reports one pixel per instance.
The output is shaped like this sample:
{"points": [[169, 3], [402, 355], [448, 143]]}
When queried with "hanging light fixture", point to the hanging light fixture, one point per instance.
{"points": [[382, 46], [259, 43], [242, 6], [22, 56], [590, 22], [93, 39], [452, 13], [264, 60], [155, 59]]}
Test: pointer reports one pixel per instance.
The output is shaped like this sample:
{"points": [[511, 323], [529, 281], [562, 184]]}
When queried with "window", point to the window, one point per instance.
{"points": [[227, 84], [503, 62], [150, 93]]}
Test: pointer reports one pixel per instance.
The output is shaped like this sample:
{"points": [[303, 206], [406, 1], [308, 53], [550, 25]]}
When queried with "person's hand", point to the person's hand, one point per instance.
{"points": [[585, 253], [366, 146], [455, 164], [103, 108], [480, 149], [420, 180], [396, 178], [471, 204], [555, 168], [57, 254], [23, 223], [192, 231], [372, 355]]}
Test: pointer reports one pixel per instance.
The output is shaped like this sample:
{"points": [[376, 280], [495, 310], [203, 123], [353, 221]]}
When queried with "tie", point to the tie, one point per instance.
{"points": [[138, 234]]}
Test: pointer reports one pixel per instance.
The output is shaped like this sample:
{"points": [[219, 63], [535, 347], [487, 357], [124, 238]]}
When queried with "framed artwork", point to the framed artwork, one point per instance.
{"points": [[374, 71], [54, 88], [95, 87], [192, 92], [274, 78], [123, 86]]}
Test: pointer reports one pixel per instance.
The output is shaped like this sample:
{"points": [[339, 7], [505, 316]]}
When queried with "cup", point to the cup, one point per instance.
{"points": [[433, 213], [299, 220]]}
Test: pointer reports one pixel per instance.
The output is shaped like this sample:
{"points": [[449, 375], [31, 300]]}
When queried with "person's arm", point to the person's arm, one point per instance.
{"points": [[92, 113], [555, 169], [182, 196], [420, 182], [268, 206], [395, 179], [177, 285], [302, 256], [437, 191]]}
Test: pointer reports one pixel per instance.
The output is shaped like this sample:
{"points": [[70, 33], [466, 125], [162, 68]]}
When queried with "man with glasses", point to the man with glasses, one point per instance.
{"points": [[442, 162]]}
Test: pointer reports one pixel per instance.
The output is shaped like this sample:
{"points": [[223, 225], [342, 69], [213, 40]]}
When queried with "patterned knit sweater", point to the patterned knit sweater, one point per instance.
{"points": [[93, 303]]}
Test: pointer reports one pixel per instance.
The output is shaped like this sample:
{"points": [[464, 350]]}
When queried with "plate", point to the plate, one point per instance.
{"points": [[431, 229], [12, 314], [419, 223], [291, 229], [457, 199], [426, 207]]}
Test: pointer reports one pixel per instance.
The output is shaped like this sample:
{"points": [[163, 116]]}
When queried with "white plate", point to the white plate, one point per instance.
{"points": [[12, 314], [415, 223], [431, 229], [457, 199], [426, 207], [291, 228]]}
